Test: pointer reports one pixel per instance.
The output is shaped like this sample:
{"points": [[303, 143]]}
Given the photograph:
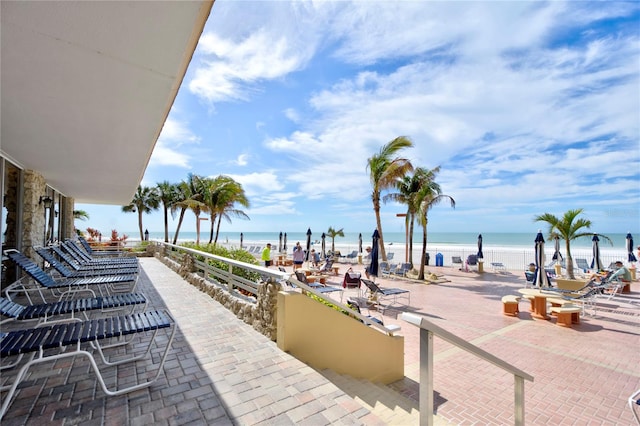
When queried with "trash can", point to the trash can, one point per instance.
{"points": [[439, 259], [426, 259]]}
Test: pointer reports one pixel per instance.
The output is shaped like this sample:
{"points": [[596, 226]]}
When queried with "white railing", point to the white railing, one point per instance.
{"points": [[427, 331], [226, 277]]}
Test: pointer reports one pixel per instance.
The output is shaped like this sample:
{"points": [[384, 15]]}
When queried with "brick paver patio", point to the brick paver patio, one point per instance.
{"points": [[221, 371]]}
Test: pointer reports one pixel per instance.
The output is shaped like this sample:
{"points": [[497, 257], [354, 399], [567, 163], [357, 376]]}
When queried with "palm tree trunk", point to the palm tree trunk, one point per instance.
{"points": [[218, 229], [376, 208], [411, 223], [182, 211], [570, 273], [213, 221], [140, 224], [166, 224], [424, 251]]}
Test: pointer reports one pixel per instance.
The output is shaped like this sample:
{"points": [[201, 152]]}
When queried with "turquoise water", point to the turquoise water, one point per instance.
{"points": [[433, 238]]}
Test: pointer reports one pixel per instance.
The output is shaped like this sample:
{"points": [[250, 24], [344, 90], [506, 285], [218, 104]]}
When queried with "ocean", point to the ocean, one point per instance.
{"points": [[513, 250], [434, 239]]}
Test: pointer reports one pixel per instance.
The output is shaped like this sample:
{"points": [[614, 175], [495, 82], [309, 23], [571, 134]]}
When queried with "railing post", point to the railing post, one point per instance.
{"points": [[426, 377], [519, 400], [230, 279]]}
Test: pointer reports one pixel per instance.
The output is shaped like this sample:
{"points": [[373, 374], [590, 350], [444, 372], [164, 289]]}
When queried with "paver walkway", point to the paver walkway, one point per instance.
{"points": [[221, 371]]}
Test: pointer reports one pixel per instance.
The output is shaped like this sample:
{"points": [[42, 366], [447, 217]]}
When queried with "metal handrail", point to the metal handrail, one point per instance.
{"points": [[427, 330]]}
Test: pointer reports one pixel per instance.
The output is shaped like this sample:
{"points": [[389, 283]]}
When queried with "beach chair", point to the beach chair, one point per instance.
{"points": [[402, 270], [456, 260], [530, 277], [82, 265], [351, 279], [385, 297], [68, 340], [356, 307], [50, 258], [582, 264], [472, 260], [320, 288], [106, 284], [81, 256], [45, 311], [386, 270], [98, 253]]}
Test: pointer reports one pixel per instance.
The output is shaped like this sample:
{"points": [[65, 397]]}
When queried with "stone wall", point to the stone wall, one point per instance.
{"points": [[261, 315], [33, 214]]}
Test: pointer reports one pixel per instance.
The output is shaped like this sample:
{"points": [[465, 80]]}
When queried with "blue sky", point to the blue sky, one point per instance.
{"points": [[527, 107]]}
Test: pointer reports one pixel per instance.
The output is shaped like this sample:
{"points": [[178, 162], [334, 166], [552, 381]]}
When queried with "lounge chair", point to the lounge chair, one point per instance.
{"points": [[66, 340], [352, 255], [356, 307], [98, 253], [402, 269], [472, 260], [326, 268], [582, 264], [320, 288], [530, 277], [386, 270], [106, 284], [83, 265], [351, 279], [376, 295], [45, 311], [82, 256], [456, 260], [48, 256]]}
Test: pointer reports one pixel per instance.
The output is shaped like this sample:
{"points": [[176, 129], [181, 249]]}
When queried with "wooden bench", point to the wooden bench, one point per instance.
{"points": [[567, 314], [510, 305]]}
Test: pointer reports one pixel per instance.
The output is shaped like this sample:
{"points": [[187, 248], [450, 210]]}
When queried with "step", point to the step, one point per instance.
{"points": [[387, 404]]}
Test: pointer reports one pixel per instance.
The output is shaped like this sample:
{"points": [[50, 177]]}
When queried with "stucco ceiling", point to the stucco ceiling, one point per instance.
{"points": [[86, 88]]}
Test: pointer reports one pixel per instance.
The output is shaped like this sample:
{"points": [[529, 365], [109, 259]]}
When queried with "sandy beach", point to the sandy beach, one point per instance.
{"points": [[511, 258]]}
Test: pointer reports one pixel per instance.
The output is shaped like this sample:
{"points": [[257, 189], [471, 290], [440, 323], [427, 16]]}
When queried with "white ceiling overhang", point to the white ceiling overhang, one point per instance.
{"points": [[86, 88]]}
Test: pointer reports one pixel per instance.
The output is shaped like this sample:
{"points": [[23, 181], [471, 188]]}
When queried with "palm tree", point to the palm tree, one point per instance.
{"points": [[569, 227], [408, 190], [145, 200], [182, 195], [332, 233], [197, 188], [223, 193], [80, 215], [429, 195], [167, 193], [384, 170]]}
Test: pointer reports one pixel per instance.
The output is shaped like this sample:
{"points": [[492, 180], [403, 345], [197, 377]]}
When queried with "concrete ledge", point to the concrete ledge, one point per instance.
{"points": [[565, 284]]}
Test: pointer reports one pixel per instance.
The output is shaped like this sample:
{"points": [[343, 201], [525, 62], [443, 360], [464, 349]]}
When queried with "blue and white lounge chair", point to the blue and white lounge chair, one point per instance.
{"points": [[69, 340]]}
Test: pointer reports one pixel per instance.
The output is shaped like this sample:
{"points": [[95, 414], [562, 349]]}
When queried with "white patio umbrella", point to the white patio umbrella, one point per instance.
{"points": [[541, 280]]}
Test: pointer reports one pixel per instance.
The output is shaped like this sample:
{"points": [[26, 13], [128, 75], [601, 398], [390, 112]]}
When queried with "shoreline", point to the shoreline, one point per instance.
{"points": [[513, 258]]}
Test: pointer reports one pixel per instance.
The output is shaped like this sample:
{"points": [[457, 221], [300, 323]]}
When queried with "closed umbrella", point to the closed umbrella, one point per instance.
{"points": [[373, 266], [323, 252], [308, 245], [556, 254], [631, 256], [541, 280], [596, 264], [284, 245], [480, 255], [241, 238], [360, 243], [280, 243]]}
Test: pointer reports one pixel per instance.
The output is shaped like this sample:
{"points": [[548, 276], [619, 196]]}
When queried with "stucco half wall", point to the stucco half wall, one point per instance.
{"points": [[325, 338]]}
